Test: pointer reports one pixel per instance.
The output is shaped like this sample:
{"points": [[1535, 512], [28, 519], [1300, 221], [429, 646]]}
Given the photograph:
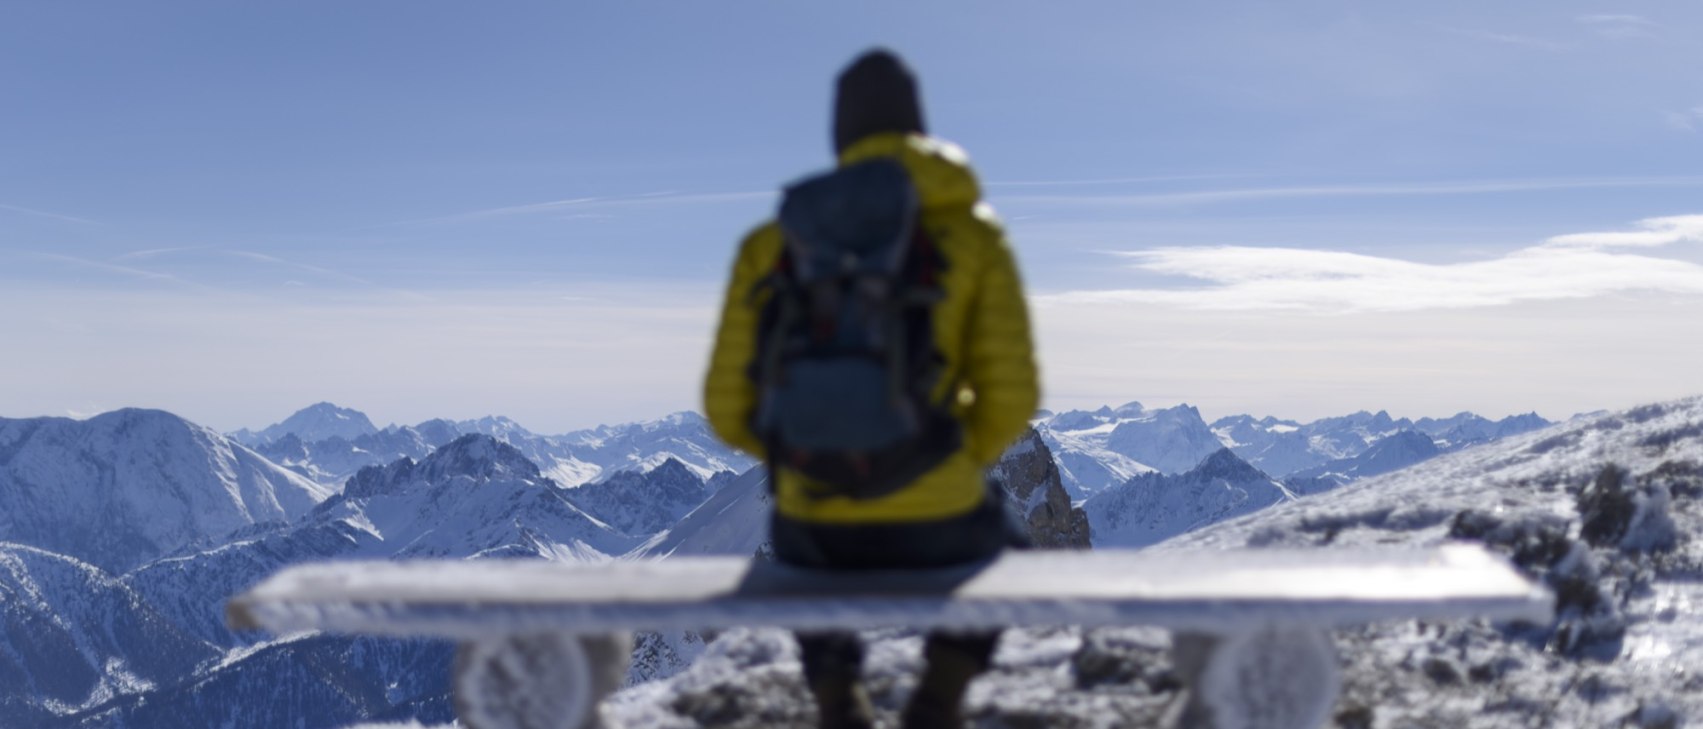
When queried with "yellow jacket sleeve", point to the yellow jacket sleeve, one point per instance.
{"points": [[729, 394], [999, 362]]}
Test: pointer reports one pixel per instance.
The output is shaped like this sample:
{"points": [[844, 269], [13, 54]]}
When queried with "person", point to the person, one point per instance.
{"points": [[979, 326]]}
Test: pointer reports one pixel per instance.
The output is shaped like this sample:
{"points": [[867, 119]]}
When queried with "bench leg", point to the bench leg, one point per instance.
{"points": [[542, 681], [1271, 678]]}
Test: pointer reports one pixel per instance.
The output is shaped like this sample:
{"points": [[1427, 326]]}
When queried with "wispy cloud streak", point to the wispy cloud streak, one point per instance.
{"points": [[1577, 266], [321, 272], [1619, 27], [1688, 120], [1210, 197], [1099, 181], [155, 253], [49, 215], [577, 204], [1507, 39], [129, 271]]}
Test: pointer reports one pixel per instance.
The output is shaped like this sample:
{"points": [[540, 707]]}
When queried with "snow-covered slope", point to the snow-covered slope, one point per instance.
{"points": [[1154, 507], [734, 520], [317, 681], [121, 488], [1607, 510], [643, 503], [72, 637]]}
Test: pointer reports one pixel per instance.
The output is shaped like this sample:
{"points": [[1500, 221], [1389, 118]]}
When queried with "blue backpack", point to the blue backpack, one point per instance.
{"points": [[846, 360]]}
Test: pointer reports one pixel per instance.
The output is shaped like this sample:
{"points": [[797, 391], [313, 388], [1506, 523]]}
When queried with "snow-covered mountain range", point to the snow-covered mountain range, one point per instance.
{"points": [[121, 535], [329, 444], [1103, 448]]}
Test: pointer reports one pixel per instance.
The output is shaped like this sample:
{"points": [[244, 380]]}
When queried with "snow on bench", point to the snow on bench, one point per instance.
{"points": [[544, 641]]}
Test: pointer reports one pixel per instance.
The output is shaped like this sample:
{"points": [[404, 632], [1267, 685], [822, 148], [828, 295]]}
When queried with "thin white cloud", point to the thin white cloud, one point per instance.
{"points": [[582, 203], [319, 271], [46, 214], [1619, 26], [1209, 197], [1096, 181], [1611, 19], [1507, 39], [129, 271], [154, 253], [1686, 121], [1578, 266]]}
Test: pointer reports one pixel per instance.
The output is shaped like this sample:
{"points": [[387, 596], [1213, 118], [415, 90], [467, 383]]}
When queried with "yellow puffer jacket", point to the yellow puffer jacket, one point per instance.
{"points": [[981, 328]]}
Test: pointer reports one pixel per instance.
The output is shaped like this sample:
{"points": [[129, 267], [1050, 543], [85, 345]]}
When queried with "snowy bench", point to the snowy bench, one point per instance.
{"points": [[544, 642]]}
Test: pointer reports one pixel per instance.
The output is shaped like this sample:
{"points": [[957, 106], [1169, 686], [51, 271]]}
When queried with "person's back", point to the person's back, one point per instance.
{"points": [[986, 385]]}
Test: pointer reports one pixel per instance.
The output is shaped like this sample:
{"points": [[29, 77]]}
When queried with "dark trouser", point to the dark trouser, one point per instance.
{"points": [[973, 537]]}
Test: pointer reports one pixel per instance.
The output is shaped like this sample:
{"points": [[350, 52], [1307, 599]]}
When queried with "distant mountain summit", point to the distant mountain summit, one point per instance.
{"points": [[1392, 453], [644, 503], [315, 422], [1103, 448], [1030, 476], [128, 486], [1153, 507]]}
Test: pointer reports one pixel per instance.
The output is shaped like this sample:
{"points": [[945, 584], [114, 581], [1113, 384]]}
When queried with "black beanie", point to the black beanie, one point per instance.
{"points": [[875, 94]]}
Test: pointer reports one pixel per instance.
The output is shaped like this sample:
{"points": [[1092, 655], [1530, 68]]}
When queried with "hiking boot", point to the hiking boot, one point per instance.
{"points": [[951, 664], [842, 703]]}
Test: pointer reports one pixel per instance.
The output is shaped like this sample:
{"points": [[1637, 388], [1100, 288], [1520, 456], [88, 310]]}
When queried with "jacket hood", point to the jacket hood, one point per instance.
{"points": [[939, 169]]}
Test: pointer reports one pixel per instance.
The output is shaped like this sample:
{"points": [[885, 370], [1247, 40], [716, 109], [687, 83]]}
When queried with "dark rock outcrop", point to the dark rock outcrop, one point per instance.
{"points": [[1030, 476]]}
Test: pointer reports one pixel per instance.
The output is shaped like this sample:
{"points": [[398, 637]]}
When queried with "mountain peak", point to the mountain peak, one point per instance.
{"points": [[1131, 409], [480, 457], [499, 426], [131, 417], [673, 468], [1225, 464], [321, 421], [130, 485]]}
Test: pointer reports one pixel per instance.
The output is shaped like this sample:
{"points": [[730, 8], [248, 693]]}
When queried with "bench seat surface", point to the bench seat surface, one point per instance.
{"points": [[1220, 591]]}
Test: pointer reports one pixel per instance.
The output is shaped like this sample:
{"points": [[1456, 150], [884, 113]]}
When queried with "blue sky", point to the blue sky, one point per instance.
{"points": [[429, 209]]}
